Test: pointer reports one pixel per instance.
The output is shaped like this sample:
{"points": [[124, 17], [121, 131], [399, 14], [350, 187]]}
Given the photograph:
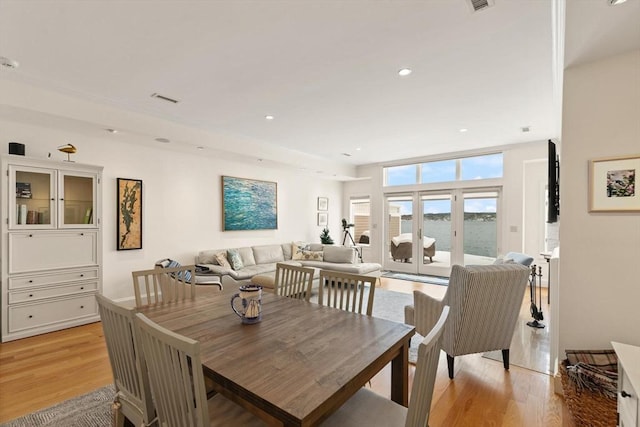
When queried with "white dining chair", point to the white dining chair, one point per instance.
{"points": [[178, 388], [162, 285], [133, 395], [293, 281], [367, 408], [347, 291]]}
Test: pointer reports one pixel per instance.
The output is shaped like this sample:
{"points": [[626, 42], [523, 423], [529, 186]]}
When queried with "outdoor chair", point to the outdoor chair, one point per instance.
{"points": [[133, 395], [347, 291], [485, 303], [367, 408], [293, 281], [177, 388]]}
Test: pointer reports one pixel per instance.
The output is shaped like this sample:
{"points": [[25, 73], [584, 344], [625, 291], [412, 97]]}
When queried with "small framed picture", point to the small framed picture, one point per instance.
{"points": [[323, 218], [612, 184], [129, 214], [323, 203]]}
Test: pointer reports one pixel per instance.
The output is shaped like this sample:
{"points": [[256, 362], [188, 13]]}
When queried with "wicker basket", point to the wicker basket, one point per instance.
{"points": [[588, 408]]}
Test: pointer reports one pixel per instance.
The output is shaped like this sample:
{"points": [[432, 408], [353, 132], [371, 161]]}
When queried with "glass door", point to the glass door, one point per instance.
{"points": [[77, 199], [437, 231], [33, 203], [399, 232], [480, 228]]}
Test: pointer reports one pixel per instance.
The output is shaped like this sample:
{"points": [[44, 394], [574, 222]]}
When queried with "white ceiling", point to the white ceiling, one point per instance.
{"points": [[327, 70]]}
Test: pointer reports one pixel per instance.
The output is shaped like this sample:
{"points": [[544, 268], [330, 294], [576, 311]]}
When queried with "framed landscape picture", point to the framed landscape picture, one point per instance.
{"points": [[249, 204], [612, 184], [129, 205]]}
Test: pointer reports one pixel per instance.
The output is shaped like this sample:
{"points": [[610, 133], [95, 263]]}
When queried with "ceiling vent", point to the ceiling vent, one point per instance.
{"points": [[164, 98], [478, 5]]}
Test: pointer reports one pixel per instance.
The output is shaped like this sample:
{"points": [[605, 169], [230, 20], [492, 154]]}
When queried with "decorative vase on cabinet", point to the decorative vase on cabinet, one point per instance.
{"points": [[51, 245]]}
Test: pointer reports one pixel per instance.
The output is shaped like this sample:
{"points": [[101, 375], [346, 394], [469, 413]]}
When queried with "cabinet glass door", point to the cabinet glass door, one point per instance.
{"points": [[34, 198], [77, 195]]}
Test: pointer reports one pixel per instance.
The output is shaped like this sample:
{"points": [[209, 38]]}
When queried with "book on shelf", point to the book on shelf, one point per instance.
{"points": [[87, 216], [32, 217]]}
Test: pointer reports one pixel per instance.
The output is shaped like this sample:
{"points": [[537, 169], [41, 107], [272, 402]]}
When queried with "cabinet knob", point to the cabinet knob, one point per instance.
{"points": [[82, 234], [30, 295], [61, 198], [81, 275], [30, 235], [624, 394], [30, 316], [52, 199], [30, 281], [82, 306], [81, 287]]}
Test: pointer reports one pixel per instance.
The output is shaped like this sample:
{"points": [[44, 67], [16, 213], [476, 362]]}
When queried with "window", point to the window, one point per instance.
{"points": [[463, 169]]}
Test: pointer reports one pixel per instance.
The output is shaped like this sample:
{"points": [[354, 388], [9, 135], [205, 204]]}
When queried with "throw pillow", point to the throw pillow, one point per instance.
{"points": [[307, 255], [221, 257], [297, 248], [234, 259]]}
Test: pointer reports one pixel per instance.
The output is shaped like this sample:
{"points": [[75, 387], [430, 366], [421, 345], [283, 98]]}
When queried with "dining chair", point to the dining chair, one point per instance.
{"points": [[293, 281], [177, 388], [162, 285], [485, 303], [367, 408], [347, 291], [133, 395]]}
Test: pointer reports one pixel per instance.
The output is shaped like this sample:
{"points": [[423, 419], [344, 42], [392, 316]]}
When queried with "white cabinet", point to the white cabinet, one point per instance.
{"points": [[51, 245], [628, 384]]}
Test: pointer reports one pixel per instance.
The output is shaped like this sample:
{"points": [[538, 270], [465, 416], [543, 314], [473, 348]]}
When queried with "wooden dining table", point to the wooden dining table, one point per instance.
{"points": [[299, 364]]}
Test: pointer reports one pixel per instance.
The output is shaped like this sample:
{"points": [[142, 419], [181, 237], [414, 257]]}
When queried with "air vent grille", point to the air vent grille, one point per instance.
{"points": [[478, 5], [164, 98]]}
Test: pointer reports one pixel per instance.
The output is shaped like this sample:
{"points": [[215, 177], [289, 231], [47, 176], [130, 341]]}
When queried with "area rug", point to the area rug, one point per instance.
{"points": [[89, 410], [434, 280]]}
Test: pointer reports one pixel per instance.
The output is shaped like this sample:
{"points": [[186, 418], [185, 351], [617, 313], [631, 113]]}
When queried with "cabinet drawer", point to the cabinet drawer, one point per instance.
{"points": [[49, 292], [627, 406], [50, 312], [52, 278], [43, 250]]}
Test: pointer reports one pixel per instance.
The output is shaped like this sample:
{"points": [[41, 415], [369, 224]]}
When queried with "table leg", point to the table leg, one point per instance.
{"points": [[400, 376]]}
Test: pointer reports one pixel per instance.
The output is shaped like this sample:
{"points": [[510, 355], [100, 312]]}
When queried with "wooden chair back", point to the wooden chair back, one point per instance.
{"points": [[175, 375], [163, 285], [347, 291], [133, 395], [425, 375], [293, 281]]}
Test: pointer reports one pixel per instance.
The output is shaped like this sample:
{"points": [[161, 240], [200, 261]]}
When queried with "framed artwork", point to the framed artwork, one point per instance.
{"points": [[129, 206], [323, 203], [249, 204], [323, 218], [612, 184]]}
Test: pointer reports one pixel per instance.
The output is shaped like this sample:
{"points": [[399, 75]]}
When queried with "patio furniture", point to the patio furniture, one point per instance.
{"points": [[401, 247]]}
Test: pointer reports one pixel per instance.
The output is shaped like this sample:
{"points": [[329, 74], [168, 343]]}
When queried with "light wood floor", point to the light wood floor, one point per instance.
{"points": [[40, 371]]}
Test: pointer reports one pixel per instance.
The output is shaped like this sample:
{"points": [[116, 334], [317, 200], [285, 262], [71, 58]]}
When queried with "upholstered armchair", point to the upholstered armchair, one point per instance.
{"points": [[485, 302]]}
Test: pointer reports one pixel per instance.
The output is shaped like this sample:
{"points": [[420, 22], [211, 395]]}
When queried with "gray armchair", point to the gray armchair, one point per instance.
{"points": [[485, 302]]}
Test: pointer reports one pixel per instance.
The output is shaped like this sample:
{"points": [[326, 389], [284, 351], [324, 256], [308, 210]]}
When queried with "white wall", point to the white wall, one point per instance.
{"points": [[600, 258], [181, 199]]}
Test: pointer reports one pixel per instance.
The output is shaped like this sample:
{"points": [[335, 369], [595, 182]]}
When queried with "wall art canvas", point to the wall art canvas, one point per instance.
{"points": [[323, 203], [129, 214], [249, 204], [612, 184], [323, 218]]}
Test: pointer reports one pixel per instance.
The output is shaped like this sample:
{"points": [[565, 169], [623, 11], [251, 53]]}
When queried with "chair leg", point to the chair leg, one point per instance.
{"points": [[505, 358], [450, 366]]}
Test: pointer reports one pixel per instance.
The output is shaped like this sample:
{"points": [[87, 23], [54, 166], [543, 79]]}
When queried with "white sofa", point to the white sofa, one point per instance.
{"points": [[262, 259]]}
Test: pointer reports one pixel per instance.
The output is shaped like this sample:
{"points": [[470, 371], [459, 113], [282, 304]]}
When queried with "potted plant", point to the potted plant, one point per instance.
{"points": [[325, 238]]}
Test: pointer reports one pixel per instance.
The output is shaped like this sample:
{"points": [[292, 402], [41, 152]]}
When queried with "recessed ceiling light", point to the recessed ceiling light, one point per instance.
{"points": [[269, 117], [163, 140], [404, 72], [463, 130], [200, 147], [616, 2], [358, 149], [112, 130], [8, 62]]}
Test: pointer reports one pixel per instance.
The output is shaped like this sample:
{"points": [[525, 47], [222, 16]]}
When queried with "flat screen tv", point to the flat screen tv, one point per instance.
{"points": [[553, 206]]}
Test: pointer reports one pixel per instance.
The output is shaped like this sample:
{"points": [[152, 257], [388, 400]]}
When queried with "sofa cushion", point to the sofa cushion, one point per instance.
{"points": [[249, 272], [268, 254], [246, 254], [339, 254], [316, 247], [234, 259], [221, 258], [286, 250], [361, 268], [307, 255], [207, 257]]}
